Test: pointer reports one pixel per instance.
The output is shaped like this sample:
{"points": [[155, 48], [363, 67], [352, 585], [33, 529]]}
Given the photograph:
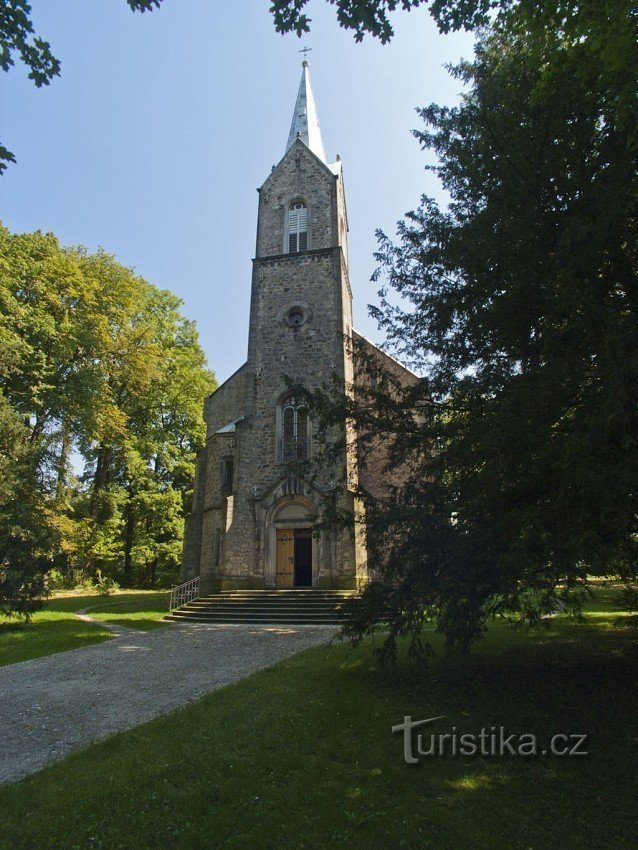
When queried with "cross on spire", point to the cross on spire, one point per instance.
{"points": [[305, 51]]}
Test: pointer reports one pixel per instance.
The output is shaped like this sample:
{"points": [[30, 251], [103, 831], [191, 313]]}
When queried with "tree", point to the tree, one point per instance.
{"points": [[520, 304], [106, 379], [142, 453], [609, 28], [372, 17], [140, 438], [28, 541]]}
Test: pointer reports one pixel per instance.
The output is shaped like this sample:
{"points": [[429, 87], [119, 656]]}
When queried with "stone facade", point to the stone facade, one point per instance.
{"points": [[253, 502], [375, 475]]}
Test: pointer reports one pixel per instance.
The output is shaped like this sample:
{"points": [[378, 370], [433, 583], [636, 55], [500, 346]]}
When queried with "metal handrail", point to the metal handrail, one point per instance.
{"points": [[184, 593]]}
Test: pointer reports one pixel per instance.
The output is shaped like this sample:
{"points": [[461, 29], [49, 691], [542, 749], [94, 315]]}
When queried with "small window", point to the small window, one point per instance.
{"points": [[226, 474], [297, 228], [296, 316]]}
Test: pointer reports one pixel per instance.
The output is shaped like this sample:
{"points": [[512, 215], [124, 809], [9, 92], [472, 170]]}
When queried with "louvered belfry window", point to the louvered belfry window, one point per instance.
{"points": [[297, 228]]}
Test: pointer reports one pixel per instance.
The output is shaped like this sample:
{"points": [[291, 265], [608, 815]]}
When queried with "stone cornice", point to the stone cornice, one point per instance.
{"points": [[317, 252]]}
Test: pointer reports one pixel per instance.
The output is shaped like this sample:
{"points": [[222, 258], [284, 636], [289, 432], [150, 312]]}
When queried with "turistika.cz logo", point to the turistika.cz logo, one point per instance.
{"points": [[490, 741]]}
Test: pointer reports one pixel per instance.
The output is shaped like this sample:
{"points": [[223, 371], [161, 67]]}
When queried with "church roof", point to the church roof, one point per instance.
{"points": [[305, 121], [381, 353], [231, 427]]}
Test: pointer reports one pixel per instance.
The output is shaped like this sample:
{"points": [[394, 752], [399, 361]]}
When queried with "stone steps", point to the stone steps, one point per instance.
{"points": [[302, 606]]}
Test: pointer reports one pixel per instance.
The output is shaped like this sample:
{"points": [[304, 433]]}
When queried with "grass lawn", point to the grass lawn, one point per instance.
{"points": [[56, 628], [301, 755], [137, 609]]}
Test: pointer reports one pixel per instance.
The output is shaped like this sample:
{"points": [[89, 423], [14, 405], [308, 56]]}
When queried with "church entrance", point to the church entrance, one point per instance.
{"points": [[294, 557], [303, 557]]}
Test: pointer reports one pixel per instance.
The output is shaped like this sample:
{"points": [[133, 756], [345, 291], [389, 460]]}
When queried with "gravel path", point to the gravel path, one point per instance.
{"points": [[53, 705]]}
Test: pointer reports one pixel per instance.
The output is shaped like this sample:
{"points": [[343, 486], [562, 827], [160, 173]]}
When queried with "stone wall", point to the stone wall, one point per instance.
{"points": [[191, 552], [374, 475], [228, 403]]}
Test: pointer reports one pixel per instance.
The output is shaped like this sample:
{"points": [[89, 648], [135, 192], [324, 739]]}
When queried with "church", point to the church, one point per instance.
{"points": [[256, 519]]}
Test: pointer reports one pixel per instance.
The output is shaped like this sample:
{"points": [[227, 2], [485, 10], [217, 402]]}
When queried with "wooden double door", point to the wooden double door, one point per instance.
{"points": [[294, 557]]}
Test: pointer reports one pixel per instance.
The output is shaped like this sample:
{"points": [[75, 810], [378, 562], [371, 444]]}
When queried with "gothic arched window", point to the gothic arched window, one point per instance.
{"points": [[297, 228], [294, 430]]}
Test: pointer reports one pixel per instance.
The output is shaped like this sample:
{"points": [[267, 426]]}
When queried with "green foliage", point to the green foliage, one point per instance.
{"points": [[372, 17], [363, 16], [101, 584], [17, 36], [519, 304], [630, 602], [144, 5], [28, 540], [630, 598], [98, 364]]}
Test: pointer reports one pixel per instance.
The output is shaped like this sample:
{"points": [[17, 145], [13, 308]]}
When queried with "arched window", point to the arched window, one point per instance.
{"points": [[294, 437], [297, 228]]}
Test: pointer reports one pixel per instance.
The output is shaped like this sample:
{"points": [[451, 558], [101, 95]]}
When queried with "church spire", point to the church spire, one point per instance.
{"points": [[305, 122]]}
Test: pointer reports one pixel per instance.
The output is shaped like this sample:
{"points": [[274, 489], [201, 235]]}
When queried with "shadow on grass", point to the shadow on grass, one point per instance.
{"points": [[302, 754], [12, 626], [143, 611], [138, 623]]}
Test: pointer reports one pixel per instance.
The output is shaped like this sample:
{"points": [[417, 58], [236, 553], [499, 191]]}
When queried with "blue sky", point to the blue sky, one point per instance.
{"points": [[154, 139]]}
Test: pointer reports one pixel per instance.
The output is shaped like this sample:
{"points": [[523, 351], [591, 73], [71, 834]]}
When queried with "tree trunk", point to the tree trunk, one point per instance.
{"points": [[100, 477], [38, 427], [63, 461], [129, 536]]}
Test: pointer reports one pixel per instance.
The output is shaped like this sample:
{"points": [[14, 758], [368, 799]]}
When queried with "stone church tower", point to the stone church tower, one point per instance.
{"points": [[256, 507]]}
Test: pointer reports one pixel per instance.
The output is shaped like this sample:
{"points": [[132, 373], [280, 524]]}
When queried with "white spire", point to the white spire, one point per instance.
{"points": [[305, 122]]}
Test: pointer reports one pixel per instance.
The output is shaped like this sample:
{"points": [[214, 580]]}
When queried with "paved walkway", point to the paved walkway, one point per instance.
{"points": [[51, 706]]}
